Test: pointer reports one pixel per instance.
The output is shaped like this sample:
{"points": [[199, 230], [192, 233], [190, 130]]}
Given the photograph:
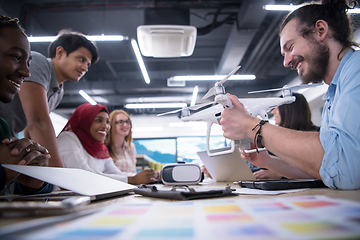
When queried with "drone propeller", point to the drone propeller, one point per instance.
{"points": [[194, 107], [287, 88], [212, 90]]}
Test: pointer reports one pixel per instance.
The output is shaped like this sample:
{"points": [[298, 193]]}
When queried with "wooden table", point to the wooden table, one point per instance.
{"points": [[353, 195]]}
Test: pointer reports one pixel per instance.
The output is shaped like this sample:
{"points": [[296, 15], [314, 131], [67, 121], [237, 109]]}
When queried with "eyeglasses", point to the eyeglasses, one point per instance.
{"points": [[122, 122]]}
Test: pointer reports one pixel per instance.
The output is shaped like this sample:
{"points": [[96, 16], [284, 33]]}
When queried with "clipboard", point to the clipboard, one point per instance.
{"points": [[184, 192]]}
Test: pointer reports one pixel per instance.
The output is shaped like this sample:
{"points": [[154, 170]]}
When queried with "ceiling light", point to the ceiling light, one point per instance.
{"points": [[87, 97], [355, 10], [194, 96], [140, 60], [164, 99], [155, 105], [41, 39], [272, 7], [165, 41], [90, 37], [291, 7], [212, 77], [103, 37]]}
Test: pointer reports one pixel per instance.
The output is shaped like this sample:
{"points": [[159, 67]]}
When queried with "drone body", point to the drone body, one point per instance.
{"points": [[257, 107]]}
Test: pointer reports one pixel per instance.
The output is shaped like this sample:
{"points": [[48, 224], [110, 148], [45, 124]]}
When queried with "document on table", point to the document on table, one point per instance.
{"points": [[250, 191], [303, 217]]}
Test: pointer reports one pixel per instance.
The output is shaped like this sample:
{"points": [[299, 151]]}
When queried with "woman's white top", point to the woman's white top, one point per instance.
{"points": [[74, 155], [126, 161]]}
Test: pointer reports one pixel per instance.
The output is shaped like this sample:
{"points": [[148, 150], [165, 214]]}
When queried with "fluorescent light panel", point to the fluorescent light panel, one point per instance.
{"points": [[271, 7], [97, 38], [212, 77], [140, 60], [87, 97], [165, 99], [155, 105], [291, 7]]}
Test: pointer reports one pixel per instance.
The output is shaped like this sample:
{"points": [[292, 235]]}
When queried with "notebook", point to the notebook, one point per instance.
{"points": [[227, 167], [77, 180]]}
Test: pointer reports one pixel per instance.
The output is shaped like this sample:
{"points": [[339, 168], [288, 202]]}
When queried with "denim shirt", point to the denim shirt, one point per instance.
{"points": [[340, 126]]}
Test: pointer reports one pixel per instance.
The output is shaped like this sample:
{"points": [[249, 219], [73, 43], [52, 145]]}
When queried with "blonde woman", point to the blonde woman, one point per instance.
{"points": [[122, 149], [119, 141]]}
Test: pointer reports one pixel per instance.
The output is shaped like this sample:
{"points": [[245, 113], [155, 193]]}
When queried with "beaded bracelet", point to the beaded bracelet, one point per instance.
{"points": [[258, 137]]}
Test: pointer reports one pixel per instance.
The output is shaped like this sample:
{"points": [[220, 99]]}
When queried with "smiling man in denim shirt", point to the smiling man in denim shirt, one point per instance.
{"points": [[316, 41]]}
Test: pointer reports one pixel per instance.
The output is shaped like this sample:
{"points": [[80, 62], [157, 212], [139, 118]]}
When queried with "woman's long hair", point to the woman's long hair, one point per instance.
{"points": [[296, 115], [110, 140]]}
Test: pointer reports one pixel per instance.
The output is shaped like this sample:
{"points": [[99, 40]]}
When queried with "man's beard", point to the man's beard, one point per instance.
{"points": [[318, 63]]}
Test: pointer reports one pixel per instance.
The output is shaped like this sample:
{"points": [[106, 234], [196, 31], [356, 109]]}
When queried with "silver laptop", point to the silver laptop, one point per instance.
{"points": [[77, 180], [228, 167]]}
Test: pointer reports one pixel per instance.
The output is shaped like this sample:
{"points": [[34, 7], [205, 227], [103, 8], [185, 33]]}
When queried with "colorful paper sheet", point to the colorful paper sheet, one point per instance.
{"points": [[307, 217]]}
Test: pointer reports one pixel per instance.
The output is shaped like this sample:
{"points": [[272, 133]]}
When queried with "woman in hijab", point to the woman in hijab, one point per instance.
{"points": [[81, 145]]}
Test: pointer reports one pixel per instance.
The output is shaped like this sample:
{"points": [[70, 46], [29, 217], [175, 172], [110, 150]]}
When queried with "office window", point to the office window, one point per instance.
{"points": [[160, 150], [171, 150]]}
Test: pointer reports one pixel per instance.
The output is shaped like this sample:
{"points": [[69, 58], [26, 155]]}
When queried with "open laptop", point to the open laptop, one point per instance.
{"points": [[227, 167], [80, 181]]}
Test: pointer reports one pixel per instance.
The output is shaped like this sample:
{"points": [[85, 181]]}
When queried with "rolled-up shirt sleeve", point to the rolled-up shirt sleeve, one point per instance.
{"points": [[340, 130]]}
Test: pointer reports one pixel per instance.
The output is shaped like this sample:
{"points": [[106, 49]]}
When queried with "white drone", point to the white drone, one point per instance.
{"points": [[255, 106]]}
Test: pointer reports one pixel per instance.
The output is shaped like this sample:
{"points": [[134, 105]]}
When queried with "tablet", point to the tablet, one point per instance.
{"points": [[228, 167], [282, 184]]}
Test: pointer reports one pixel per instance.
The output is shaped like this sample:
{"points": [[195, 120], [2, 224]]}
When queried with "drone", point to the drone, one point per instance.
{"points": [[257, 107]]}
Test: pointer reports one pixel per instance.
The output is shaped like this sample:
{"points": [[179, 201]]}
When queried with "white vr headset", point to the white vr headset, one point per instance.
{"points": [[181, 173]]}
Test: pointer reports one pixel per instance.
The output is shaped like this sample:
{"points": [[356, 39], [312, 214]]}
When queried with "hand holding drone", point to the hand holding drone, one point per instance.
{"points": [[255, 106]]}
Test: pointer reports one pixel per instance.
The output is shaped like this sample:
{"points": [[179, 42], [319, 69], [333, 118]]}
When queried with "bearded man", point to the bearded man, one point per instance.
{"points": [[316, 41]]}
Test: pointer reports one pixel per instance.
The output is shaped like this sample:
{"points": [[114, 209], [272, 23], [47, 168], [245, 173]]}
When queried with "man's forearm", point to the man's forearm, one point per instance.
{"points": [[300, 149], [285, 169], [44, 135]]}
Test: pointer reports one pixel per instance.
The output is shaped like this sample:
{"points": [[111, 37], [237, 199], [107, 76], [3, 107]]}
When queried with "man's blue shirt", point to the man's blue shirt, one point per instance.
{"points": [[340, 126]]}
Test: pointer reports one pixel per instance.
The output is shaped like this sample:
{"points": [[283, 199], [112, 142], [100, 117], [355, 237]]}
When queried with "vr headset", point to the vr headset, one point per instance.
{"points": [[181, 173]]}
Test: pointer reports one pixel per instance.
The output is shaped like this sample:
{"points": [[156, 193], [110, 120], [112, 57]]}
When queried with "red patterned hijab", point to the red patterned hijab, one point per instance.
{"points": [[80, 123]]}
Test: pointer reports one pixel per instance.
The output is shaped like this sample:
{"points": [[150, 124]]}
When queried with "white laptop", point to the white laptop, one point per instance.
{"points": [[227, 167], [77, 180]]}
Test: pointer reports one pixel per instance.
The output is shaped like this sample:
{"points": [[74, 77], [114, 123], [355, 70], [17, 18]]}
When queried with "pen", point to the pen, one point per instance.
{"points": [[254, 150]]}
